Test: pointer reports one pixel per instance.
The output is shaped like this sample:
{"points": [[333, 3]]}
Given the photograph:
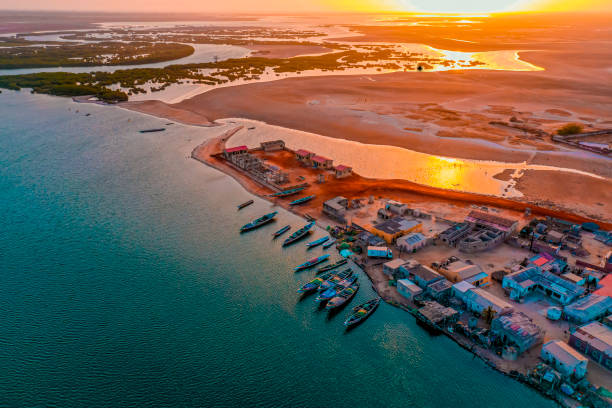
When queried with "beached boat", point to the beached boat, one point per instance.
{"points": [[362, 312], [343, 297], [315, 283], [329, 243], [152, 130], [312, 262], [299, 234], [332, 266], [317, 242], [282, 231], [334, 291], [258, 222], [339, 277], [302, 200], [245, 204], [289, 192]]}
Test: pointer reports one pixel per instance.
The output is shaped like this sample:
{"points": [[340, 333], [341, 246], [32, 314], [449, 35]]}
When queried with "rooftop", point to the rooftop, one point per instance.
{"points": [[425, 273], [520, 324], [605, 286], [463, 286], [530, 276], [490, 219], [440, 285], [320, 159], [593, 302], [435, 312], [490, 298], [396, 225], [394, 264], [302, 152], [596, 334], [413, 238], [342, 167], [564, 353], [236, 149]]}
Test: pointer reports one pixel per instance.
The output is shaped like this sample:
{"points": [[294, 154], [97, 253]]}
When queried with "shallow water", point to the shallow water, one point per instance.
{"points": [[125, 283]]}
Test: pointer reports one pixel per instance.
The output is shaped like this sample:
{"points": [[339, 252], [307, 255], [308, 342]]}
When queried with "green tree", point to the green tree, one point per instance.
{"points": [[488, 314], [570, 129]]}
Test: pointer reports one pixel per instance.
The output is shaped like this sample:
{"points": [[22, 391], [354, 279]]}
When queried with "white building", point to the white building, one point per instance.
{"points": [[564, 359], [411, 242]]}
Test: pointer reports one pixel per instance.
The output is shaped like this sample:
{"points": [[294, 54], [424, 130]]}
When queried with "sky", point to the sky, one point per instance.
{"points": [[295, 6]]}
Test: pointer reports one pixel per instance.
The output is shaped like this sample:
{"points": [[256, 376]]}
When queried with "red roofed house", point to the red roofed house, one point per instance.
{"points": [[320, 162], [343, 171], [304, 156], [605, 286], [234, 151]]}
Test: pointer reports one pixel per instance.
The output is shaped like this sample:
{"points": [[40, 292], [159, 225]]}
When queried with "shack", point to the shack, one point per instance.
{"points": [[234, 151], [408, 289], [304, 156], [320, 162], [336, 208], [517, 329], [342, 171], [440, 290], [421, 275], [438, 314], [392, 268], [564, 359], [272, 145]]}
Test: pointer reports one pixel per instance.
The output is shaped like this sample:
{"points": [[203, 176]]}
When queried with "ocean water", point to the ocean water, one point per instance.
{"points": [[124, 282]]}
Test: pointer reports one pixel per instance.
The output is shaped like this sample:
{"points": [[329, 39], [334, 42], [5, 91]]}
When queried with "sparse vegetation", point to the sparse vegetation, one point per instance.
{"points": [[570, 129]]}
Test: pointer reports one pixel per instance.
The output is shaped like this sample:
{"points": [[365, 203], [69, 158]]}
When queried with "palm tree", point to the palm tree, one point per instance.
{"points": [[489, 314]]}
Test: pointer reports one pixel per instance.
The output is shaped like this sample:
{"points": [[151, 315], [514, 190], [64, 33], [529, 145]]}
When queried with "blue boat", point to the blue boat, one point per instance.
{"points": [[312, 262], [302, 200], [259, 222], [329, 243], [317, 242], [282, 231], [286, 193], [299, 234], [335, 290]]}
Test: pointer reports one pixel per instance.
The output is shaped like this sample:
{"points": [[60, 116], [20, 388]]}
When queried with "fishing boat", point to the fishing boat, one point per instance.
{"points": [[289, 192], [317, 242], [245, 204], [315, 283], [332, 266], [282, 231], [329, 243], [337, 278], [302, 200], [302, 232], [259, 222], [334, 291], [362, 312], [343, 297], [152, 130], [312, 262]]}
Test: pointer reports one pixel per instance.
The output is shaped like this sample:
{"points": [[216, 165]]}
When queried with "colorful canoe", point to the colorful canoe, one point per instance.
{"points": [[332, 266], [339, 277], [258, 222], [343, 297], [302, 200], [312, 262], [362, 312], [315, 283], [329, 243], [282, 231], [299, 234], [286, 193], [317, 242], [245, 204], [334, 291]]}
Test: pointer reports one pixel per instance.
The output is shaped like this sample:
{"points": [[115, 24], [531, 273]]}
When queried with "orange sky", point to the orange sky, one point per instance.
{"points": [[263, 6]]}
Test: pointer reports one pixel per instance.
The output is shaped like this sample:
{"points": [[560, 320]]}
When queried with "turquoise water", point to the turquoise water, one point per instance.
{"points": [[124, 282]]}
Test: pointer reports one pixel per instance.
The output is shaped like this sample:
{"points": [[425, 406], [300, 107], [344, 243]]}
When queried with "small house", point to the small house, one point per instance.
{"points": [[517, 329], [273, 145], [336, 207], [478, 300], [421, 274], [394, 228], [234, 151], [411, 242], [343, 171], [457, 270], [396, 207], [304, 156], [408, 289], [460, 290], [564, 359], [392, 268], [320, 162], [440, 290], [589, 308], [480, 280], [595, 341]]}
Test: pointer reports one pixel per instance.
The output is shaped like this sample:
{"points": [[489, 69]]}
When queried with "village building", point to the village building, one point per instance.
{"points": [[391, 229], [456, 270], [336, 208], [365, 239], [605, 286], [478, 300], [392, 268], [460, 290], [520, 284], [411, 242], [517, 329], [438, 314], [554, 237], [440, 290], [578, 280], [481, 280], [234, 151], [342, 171], [486, 231], [320, 162], [408, 289], [420, 274], [564, 359], [273, 145], [589, 308], [395, 207], [304, 156], [595, 341], [452, 235], [549, 263]]}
